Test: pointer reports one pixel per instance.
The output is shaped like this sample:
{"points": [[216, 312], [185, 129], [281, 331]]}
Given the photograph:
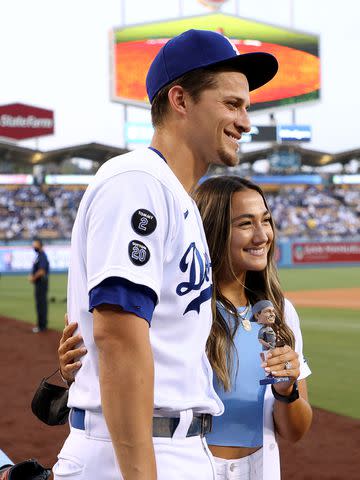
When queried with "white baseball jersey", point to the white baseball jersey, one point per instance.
{"points": [[137, 222]]}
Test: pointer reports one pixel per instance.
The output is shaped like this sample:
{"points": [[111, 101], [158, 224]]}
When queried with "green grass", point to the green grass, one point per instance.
{"points": [[17, 299], [330, 339], [331, 347], [319, 278], [330, 335]]}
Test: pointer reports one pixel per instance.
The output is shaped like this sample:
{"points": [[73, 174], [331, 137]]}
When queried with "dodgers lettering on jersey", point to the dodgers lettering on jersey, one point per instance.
{"points": [[137, 222], [197, 267]]}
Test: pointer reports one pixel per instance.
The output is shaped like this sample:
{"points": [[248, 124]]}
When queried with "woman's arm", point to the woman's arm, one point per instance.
{"points": [[69, 353], [292, 420]]}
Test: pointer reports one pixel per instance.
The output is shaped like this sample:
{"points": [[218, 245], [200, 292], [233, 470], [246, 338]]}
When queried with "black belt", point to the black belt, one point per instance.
{"points": [[162, 426]]}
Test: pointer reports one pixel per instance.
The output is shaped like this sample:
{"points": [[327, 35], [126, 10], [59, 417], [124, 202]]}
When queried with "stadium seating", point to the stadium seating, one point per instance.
{"points": [[309, 212]]}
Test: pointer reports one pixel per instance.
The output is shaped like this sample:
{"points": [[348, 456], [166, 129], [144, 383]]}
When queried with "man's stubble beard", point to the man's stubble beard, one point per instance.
{"points": [[226, 159]]}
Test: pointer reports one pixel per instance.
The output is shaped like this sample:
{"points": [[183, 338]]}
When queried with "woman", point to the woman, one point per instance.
{"points": [[240, 234]]}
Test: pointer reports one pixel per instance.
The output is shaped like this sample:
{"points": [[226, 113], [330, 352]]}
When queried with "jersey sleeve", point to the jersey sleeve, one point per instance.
{"points": [[136, 299], [292, 319], [129, 221]]}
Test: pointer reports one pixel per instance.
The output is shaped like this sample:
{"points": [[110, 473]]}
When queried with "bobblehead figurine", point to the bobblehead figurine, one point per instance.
{"points": [[264, 314]]}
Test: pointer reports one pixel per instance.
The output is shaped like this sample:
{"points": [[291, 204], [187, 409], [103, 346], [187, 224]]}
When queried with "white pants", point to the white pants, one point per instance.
{"points": [[89, 455], [247, 468]]}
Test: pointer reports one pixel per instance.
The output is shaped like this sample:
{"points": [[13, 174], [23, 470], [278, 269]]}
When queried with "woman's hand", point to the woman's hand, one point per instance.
{"points": [[275, 362], [69, 352], [292, 420]]}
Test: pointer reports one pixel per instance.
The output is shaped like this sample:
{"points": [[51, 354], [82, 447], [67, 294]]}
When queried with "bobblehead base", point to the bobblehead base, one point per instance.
{"points": [[270, 380]]}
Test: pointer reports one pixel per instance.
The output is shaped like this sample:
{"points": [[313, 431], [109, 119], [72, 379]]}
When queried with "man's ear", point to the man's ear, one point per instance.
{"points": [[178, 99]]}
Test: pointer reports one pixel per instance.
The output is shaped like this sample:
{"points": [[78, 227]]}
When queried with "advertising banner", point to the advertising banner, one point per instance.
{"points": [[294, 133], [19, 259], [60, 179], [136, 132], [19, 121], [16, 179], [260, 134], [326, 252], [346, 179]]}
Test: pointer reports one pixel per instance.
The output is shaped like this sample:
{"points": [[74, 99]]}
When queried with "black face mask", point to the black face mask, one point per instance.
{"points": [[37, 250]]}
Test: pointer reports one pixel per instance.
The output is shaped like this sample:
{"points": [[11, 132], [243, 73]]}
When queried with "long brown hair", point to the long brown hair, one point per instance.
{"points": [[213, 198]]}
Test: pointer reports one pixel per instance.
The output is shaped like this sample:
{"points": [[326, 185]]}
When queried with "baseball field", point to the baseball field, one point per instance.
{"points": [[328, 303]]}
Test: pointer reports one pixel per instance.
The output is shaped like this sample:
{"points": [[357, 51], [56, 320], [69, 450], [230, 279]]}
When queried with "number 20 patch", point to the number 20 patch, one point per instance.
{"points": [[143, 222], [138, 252]]}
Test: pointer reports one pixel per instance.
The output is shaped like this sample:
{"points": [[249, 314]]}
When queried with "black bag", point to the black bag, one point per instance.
{"points": [[27, 470], [50, 403]]}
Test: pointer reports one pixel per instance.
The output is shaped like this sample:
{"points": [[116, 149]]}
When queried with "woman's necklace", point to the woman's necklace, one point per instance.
{"points": [[245, 322], [242, 315]]}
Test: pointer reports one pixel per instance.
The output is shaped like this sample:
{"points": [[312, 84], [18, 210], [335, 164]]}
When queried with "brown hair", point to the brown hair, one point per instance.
{"points": [[194, 82], [213, 198]]}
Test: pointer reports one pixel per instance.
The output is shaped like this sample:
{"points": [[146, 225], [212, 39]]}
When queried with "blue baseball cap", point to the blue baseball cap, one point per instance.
{"points": [[195, 49]]}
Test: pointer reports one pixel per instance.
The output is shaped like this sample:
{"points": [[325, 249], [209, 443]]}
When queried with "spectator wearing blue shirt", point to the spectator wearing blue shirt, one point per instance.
{"points": [[40, 278]]}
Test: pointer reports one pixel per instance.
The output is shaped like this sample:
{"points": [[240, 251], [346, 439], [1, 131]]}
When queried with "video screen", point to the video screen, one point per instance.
{"points": [[298, 79]]}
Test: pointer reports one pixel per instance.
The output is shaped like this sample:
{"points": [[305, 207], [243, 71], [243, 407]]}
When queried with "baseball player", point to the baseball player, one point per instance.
{"points": [[140, 275]]}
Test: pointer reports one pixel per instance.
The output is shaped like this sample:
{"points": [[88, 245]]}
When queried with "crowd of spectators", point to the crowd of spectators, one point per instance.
{"points": [[24, 211], [313, 212], [34, 211], [301, 212]]}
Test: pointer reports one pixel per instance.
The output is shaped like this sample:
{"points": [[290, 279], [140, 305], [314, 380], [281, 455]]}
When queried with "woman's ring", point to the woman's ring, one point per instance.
{"points": [[288, 366]]}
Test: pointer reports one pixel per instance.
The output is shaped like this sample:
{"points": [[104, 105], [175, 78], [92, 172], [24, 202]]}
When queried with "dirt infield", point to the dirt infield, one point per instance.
{"points": [[329, 298], [330, 451]]}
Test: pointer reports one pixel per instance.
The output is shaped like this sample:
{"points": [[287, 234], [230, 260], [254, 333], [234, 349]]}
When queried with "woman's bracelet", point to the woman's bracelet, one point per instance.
{"points": [[294, 395]]}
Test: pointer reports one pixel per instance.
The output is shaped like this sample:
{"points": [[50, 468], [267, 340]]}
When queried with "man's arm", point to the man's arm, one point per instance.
{"points": [[40, 273], [126, 372]]}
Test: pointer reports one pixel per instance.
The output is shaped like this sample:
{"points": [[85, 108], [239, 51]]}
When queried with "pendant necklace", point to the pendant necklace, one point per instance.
{"points": [[245, 322], [241, 315]]}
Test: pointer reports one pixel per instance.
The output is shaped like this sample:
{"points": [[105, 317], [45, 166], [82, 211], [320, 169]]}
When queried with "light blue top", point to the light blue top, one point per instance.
{"points": [[242, 422]]}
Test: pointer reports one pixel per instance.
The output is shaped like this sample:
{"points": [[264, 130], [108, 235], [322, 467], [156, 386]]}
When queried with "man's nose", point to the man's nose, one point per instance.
{"points": [[243, 121]]}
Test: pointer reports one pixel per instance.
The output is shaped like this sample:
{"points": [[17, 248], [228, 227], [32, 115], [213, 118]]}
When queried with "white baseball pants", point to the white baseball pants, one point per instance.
{"points": [[247, 468], [88, 454]]}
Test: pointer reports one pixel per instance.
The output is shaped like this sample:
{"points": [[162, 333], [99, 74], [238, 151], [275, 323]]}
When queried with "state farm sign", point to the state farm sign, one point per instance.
{"points": [[19, 121]]}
